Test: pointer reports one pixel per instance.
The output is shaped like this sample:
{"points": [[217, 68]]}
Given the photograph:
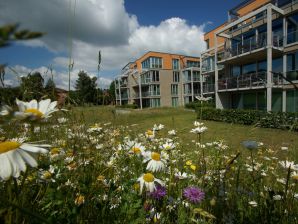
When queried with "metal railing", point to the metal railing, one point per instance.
{"points": [[258, 79], [251, 44], [208, 87], [147, 94]]}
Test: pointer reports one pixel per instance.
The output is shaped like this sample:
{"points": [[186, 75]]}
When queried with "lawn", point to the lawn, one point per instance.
{"points": [[182, 120]]}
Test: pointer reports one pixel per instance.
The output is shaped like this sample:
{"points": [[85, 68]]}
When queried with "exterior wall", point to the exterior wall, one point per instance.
{"points": [[210, 36], [166, 78], [138, 92], [252, 6]]}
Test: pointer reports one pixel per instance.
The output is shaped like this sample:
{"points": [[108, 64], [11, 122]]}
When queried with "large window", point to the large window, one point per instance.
{"points": [[155, 76], [174, 89], [174, 101], [292, 101], [235, 70], [175, 64], [196, 76], [262, 66], [277, 65], [292, 28], [281, 3], [152, 62], [292, 66], [155, 102], [154, 90], [192, 64], [156, 62], [175, 76], [249, 68]]}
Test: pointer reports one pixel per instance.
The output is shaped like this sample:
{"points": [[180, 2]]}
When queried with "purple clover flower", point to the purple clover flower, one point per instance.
{"points": [[158, 193], [193, 194]]}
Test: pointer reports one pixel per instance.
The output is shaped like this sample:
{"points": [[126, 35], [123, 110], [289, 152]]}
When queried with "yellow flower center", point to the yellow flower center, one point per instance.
{"points": [[47, 175], [148, 177], [8, 146], [188, 162], [155, 156], [35, 112], [55, 151], [295, 177], [149, 132], [136, 150]]}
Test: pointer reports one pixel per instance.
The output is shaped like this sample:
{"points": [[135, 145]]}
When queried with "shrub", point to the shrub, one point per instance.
{"points": [[279, 120], [130, 106]]}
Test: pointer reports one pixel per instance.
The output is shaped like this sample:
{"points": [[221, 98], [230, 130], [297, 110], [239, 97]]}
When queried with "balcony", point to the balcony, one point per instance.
{"points": [[147, 95], [208, 88], [248, 81], [251, 47]]}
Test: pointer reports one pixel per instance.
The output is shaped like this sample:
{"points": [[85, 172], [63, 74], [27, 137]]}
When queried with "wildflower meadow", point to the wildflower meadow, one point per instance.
{"points": [[57, 168]]}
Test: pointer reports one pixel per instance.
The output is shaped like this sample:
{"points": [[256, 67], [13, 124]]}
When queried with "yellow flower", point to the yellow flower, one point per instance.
{"points": [[188, 162], [100, 178], [55, 151], [193, 167], [80, 199]]}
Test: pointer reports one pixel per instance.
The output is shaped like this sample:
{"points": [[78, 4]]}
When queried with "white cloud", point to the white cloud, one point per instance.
{"points": [[100, 25]]}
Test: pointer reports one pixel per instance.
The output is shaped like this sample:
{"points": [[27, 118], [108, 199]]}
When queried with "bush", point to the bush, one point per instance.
{"points": [[197, 104], [130, 106], [280, 120]]}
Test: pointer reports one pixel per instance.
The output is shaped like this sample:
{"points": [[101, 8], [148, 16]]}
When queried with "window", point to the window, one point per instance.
{"points": [[152, 62], [155, 102], [175, 64], [155, 76], [174, 101], [292, 33], [207, 43], [235, 70], [154, 90], [281, 3], [277, 65], [292, 101], [176, 76], [187, 75], [174, 89], [196, 76], [155, 62], [262, 66], [249, 68], [192, 64]]}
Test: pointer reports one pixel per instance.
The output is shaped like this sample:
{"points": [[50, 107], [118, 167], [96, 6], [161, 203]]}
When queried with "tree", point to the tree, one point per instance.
{"points": [[111, 92], [86, 88], [32, 86], [50, 89]]}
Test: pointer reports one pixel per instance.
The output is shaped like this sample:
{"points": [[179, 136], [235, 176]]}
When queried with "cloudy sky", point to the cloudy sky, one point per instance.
{"points": [[123, 30]]}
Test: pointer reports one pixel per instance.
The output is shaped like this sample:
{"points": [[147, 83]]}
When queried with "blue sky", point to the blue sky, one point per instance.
{"points": [[122, 30]]}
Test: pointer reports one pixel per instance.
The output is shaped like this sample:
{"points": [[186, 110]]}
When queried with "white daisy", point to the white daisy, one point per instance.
{"points": [[168, 146], [202, 98], [137, 149], [148, 180], [289, 164], [158, 127], [172, 132], [34, 110], [198, 124], [14, 155], [156, 161], [198, 130]]}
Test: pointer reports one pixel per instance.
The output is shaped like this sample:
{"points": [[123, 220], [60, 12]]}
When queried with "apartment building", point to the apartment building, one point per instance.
{"points": [[251, 61], [159, 79]]}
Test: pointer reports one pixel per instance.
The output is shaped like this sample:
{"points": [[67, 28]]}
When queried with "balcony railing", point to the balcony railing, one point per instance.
{"points": [[251, 44], [208, 87], [147, 94], [248, 81]]}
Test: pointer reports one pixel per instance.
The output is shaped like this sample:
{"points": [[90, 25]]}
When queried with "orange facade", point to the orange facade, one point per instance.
{"points": [[167, 59], [251, 7], [210, 36]]}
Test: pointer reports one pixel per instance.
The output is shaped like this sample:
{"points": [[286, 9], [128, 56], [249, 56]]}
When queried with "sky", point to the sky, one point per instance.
{"points": [[123, 30]]}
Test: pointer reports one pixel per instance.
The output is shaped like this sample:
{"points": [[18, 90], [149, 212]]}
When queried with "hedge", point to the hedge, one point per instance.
{"points": [[279, 120]]}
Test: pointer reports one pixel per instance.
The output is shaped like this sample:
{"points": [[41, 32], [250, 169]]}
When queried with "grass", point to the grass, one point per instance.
{"points": [[182, 120]]}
